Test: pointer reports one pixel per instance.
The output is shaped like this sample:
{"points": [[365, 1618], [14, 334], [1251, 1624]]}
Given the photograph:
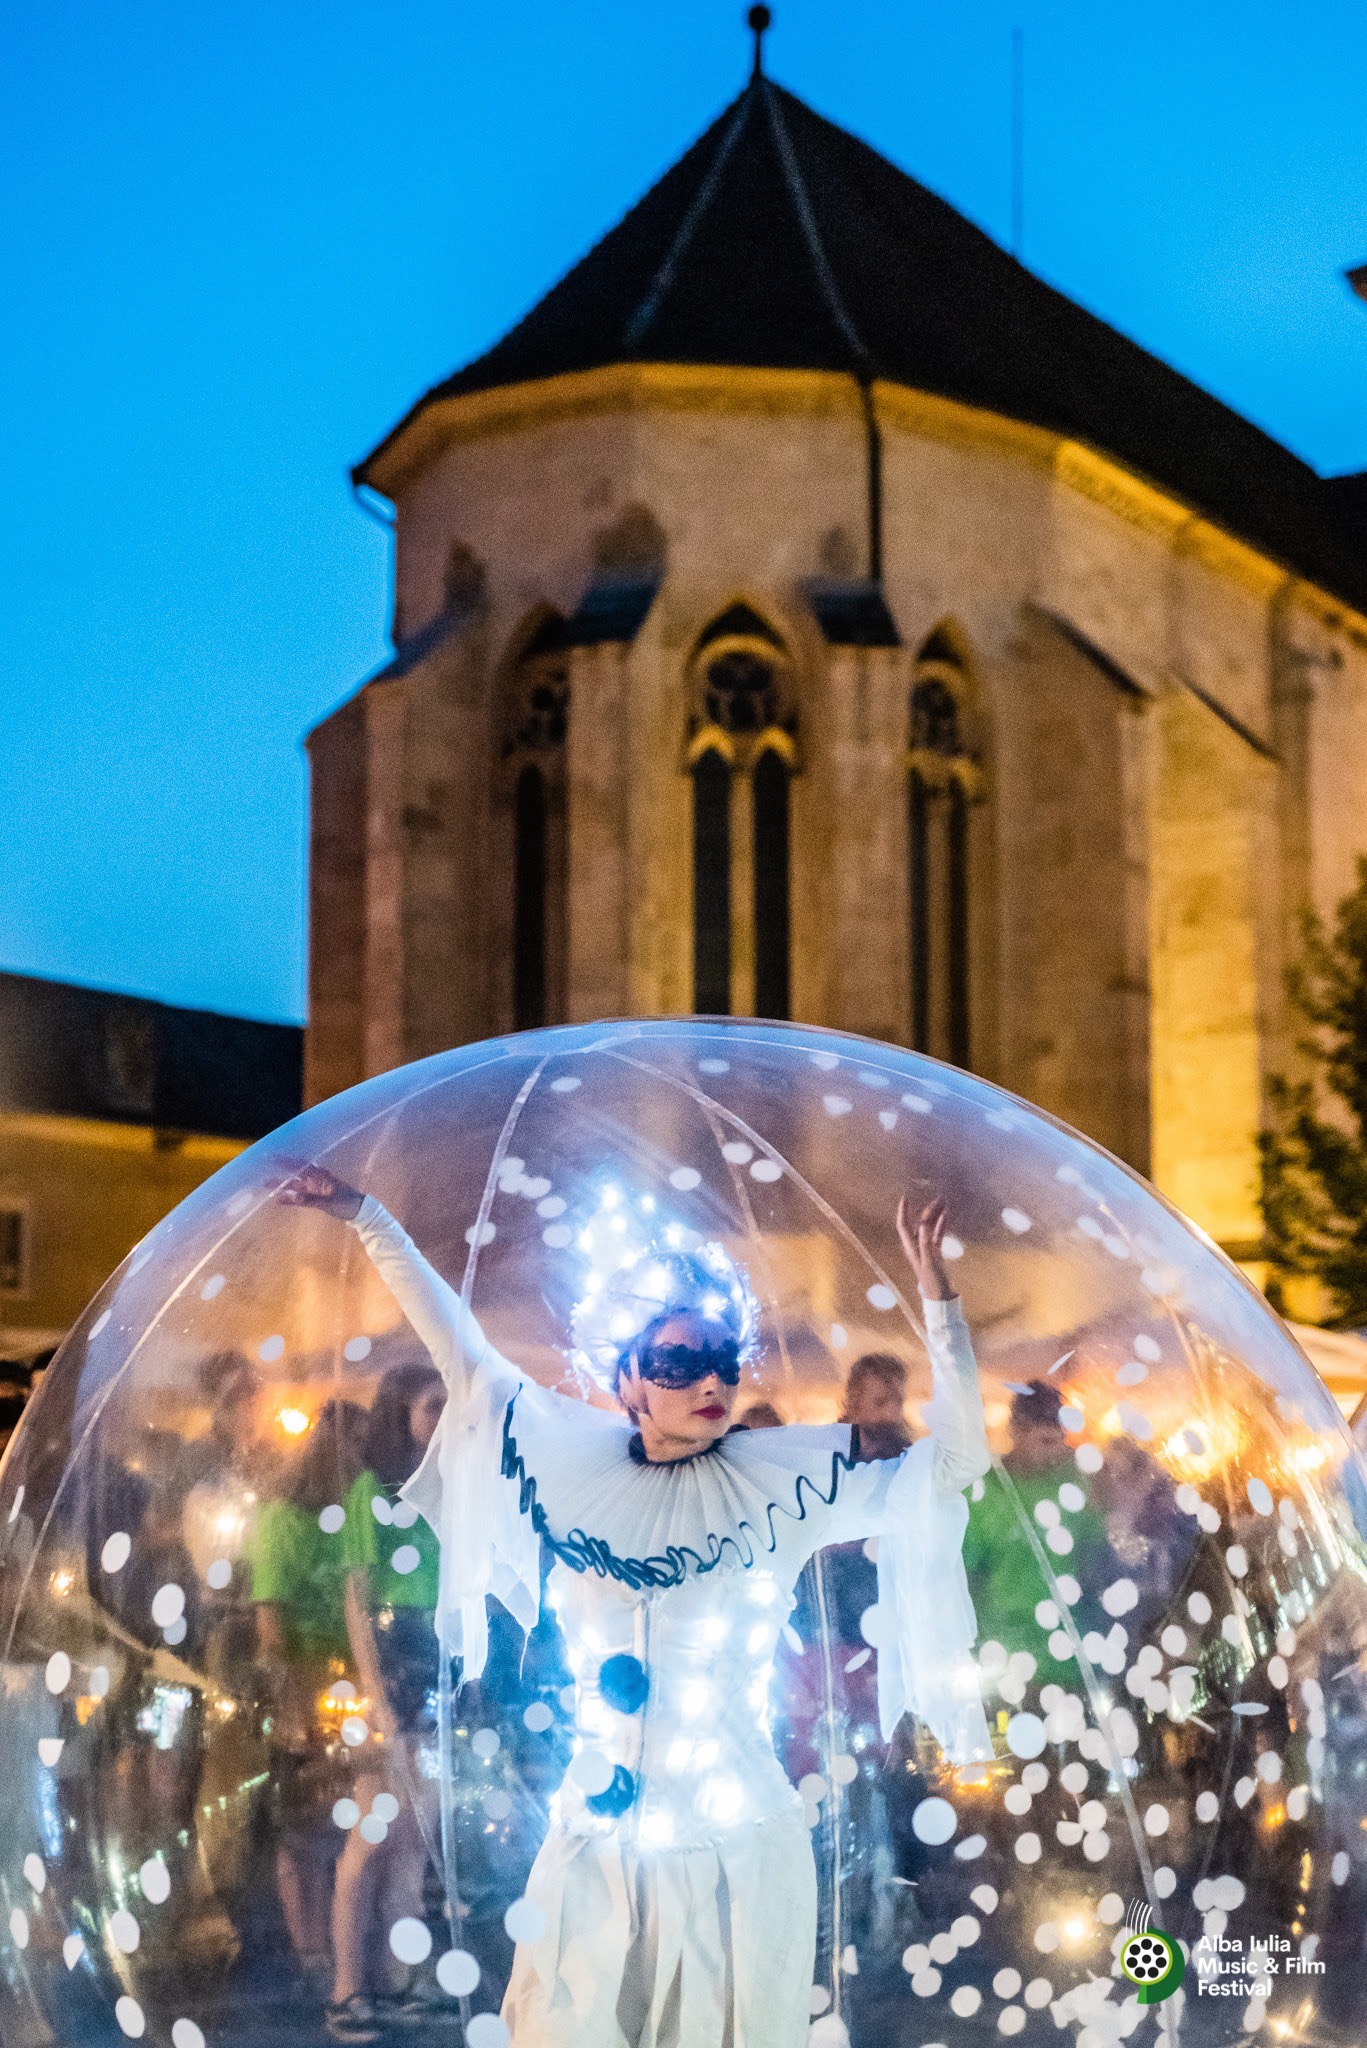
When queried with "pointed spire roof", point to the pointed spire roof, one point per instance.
{"points": [[780, 241]]}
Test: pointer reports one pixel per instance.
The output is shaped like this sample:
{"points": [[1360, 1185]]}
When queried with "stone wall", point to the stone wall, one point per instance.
{"points": [[1170, 738]]}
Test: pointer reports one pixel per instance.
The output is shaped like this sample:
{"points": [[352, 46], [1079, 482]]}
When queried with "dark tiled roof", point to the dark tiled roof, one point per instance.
{"points": [[69, 1051], [779, 240]]}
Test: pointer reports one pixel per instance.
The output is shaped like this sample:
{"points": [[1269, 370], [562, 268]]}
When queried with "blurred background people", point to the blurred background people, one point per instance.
{"points": [[1003, 1573], [875, 1404], [391, 1602], [232, 1468], [298, 1575]]}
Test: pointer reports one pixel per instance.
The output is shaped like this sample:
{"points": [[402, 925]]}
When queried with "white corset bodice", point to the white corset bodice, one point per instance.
{"points": [[695, 1757]]}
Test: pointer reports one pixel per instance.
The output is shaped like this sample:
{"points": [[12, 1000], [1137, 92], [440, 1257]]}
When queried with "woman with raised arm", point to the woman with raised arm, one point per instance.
{"points": [[677, 1876]]}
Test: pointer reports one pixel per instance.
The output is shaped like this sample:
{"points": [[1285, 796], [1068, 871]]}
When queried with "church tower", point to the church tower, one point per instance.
{"points": [[806, 612]]}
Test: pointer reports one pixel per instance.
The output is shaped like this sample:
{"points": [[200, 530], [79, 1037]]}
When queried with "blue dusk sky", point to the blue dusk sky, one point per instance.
{"points": [[238, 239]]}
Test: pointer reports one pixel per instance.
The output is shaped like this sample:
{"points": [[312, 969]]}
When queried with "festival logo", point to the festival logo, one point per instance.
{"points": [[1149, 1958]]}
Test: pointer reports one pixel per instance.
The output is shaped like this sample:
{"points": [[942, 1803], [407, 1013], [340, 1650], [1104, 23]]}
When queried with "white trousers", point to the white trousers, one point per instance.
{"points": [[686, 1948]]}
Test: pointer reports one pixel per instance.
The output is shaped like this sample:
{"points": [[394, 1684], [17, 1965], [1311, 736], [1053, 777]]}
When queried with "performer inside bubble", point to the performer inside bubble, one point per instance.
{"points": [[677, 1878]]}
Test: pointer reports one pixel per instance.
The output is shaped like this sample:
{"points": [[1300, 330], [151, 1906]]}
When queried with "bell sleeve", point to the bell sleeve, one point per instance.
{"points": [[488, 1544], [926, 1627]]}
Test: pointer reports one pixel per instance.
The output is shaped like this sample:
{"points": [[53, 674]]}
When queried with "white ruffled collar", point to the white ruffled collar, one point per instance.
{"points": [[649, 1525]]}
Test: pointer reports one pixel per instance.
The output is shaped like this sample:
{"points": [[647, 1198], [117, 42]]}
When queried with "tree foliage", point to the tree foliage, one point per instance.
{"points": [[1314, 1152]]}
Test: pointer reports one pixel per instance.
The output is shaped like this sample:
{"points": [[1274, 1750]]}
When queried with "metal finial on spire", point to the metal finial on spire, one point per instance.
{"points": [[759, 19]]}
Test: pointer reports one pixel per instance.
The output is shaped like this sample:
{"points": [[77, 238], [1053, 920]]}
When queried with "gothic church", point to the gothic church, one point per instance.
{"points": [[806, 612]]}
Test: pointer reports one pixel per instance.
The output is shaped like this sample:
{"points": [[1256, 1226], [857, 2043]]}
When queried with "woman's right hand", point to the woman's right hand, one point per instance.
{"points": [[313, 1187]]}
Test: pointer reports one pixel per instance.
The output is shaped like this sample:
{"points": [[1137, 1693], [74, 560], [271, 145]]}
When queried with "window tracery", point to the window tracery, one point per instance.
{"points": [[741, 692]]}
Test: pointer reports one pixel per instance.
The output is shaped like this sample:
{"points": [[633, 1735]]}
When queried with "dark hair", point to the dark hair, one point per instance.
{"points": [[1037, 1404], [389, 1449], [878, 1365], [330, 1461], [225, 1376]]}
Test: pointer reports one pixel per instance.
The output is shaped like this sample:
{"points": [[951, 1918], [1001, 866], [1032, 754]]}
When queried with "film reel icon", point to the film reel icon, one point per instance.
{"points": [[1153, 1963]]}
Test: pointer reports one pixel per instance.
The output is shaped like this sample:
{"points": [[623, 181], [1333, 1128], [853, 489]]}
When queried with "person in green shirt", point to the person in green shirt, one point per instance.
{"points": [[391, 1601], [1003, 1572], [299, 1562]]}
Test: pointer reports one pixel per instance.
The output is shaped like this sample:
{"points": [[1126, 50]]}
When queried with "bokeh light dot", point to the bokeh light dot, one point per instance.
{"points": [[1260, 1496], [486, 2029], [1025, 1736], [525, 1920], [934, 1821], [124, 1932], [458, 1973], [168, 1605], [410, 1940]]}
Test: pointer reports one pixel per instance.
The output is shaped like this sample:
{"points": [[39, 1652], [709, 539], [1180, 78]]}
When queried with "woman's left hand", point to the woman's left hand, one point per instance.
{"points": [[922, 1240]]}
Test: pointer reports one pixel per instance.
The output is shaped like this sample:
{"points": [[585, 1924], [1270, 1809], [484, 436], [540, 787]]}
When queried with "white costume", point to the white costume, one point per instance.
{"points": [[681, 1902]]}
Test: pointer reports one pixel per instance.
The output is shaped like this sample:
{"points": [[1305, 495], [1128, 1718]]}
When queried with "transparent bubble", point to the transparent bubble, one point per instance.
{"points": [[224, 1706]]}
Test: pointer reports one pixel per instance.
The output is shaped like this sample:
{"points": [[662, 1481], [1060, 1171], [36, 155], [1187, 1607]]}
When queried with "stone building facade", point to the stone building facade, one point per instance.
{"points": [[806, 612]]}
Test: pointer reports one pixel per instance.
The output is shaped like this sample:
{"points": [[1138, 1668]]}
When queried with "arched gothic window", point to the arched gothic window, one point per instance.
{"points": [[941, 782], [535, 725], [742, 757]]}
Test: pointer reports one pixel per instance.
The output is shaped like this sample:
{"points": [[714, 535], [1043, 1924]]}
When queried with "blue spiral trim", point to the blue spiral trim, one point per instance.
{"points": [[584, 1553]]}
